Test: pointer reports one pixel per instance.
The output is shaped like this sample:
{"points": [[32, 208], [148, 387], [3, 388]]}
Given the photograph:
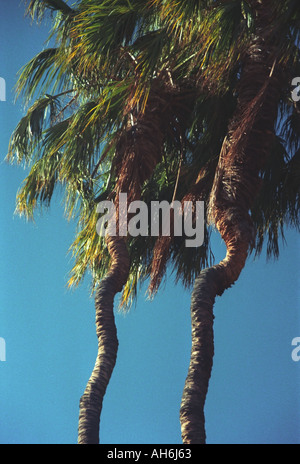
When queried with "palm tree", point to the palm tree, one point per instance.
{"points": [[136, 155], [259, 41], [165, 100], [69, 135], [98, 131]]}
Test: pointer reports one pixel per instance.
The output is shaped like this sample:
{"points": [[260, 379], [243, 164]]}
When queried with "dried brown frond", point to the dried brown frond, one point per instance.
{"points": [[161, 253], [248, 142]]}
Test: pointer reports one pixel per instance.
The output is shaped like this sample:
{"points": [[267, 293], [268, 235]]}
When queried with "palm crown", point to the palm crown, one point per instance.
{"points": [[96, 81]]}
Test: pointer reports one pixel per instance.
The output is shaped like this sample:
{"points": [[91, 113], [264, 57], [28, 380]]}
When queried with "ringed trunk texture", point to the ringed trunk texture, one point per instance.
{"points": [[92, 399], [196, 385], [236, 185], [137, 154]]}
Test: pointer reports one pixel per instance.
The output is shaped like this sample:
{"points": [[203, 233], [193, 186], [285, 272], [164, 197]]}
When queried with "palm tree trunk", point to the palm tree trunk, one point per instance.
{"points": [[210, 283], [236, 185], [196, 385], [92, 399], [137, 154]]}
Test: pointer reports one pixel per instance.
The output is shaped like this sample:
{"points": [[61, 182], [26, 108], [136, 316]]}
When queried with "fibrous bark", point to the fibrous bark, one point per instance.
{"points": [[92, 399]]}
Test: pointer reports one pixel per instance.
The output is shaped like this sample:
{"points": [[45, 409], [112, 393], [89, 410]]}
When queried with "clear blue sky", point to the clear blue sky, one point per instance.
{"points": [[254, 394]]}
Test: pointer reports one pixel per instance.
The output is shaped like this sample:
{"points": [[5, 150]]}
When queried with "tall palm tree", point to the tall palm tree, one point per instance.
{"points": [[259, 41], [98, 131], [69, 134], [137, 153], [168, 100]]}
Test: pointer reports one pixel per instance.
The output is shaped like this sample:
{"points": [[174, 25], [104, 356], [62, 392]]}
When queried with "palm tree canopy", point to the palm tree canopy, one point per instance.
{"points": [[107, 65]]}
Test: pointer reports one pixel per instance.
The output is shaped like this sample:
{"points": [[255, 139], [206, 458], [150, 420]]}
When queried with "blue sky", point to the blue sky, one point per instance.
{"points": [[254, 394]]}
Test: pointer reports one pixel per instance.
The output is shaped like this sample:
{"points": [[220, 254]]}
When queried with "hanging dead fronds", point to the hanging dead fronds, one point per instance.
{"points": [[162, 249]]}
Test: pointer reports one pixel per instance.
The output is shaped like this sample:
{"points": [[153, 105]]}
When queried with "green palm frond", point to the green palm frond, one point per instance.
{"points": [[180, 15], [37, 8], [88, 250], [28, 133], [44, 69], [107, 25], [149, 50], [225, 32], [39, 186]]}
